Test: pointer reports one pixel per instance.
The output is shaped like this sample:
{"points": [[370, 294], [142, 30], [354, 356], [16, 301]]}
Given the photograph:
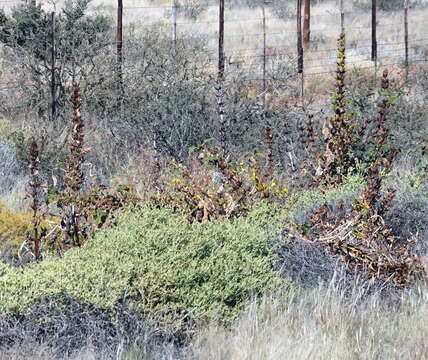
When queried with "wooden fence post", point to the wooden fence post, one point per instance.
{"points": [[53, 85], [406, 36], [300, 44], [221, 41], [374, 36], [174, 22], [119, 44], [307, 24]]}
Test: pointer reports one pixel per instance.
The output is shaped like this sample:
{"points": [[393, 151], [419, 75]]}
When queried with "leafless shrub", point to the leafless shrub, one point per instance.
{"points": [[11, 170], [65, 326], [311, 265]]}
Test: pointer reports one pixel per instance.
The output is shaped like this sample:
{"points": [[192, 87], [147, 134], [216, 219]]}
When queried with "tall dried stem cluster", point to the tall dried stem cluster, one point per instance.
{"points": [[360, 236], [34, 192], [269, 148], [339, 130], [74, 176], [220, 95]]}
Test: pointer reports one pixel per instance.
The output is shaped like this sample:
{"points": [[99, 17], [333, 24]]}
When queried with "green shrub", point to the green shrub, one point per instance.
{"points": [[4, 269], [162, 265], [13, 227], [300, 202]]}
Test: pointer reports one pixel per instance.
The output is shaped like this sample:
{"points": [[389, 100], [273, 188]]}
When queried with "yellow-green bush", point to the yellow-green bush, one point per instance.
{"points": [[13, 227], [4, 269], [165, 267]]}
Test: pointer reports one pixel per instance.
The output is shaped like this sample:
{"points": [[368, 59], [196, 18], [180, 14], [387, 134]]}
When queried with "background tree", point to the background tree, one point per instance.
{"points": [[27, 35]]}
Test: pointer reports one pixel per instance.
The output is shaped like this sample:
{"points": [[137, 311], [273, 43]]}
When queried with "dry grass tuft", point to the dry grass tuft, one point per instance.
{"points": [[323, 323]]}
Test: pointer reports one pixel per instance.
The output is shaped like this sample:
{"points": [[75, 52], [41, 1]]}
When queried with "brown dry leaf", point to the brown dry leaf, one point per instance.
{"points": [[230, 205]]}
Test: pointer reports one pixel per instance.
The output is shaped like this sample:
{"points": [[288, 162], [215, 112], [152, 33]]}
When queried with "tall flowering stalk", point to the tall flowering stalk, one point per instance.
{"points": [[35, 187], [74, 176], [339, 133]]}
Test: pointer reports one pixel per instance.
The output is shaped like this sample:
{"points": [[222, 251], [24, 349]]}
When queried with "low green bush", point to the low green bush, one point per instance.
{"points": [[168, 269], [300, 202], [4, 269]]}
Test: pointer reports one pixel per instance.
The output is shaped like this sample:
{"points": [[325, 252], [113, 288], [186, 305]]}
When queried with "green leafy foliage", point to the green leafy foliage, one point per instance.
{"points": [[32, 56], [169, 270], [4, 269]]}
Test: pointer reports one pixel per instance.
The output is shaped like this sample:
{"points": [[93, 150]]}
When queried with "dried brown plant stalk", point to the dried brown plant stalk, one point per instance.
{"points": [[269, 148], [74, 176], [220, 95], [35, 187], [338, 132], [381, 132], [75, 160]]}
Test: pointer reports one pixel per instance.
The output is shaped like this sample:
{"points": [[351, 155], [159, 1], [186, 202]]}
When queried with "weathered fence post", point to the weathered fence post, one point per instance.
{"points": [[220, 80], [119, 44], [374, 36], [299, 43], [406, 36], [307, 24], [174, 22], [264, 53], [53, 85], [221, 41]]}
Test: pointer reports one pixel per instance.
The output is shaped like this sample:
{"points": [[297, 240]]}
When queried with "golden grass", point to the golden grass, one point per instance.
{"points": [[323, 324], [315, 324]]}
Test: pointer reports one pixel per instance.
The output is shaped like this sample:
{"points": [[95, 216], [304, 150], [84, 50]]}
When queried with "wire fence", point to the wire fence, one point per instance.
{"points": [[255, 39]]}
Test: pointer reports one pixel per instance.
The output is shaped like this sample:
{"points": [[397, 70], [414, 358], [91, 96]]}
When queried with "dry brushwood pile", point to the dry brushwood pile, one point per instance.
{"points": [[362, 239]]}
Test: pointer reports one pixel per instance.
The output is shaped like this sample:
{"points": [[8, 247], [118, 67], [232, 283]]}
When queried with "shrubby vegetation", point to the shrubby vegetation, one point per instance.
{"points": [[147, 218], [154, 260]]}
